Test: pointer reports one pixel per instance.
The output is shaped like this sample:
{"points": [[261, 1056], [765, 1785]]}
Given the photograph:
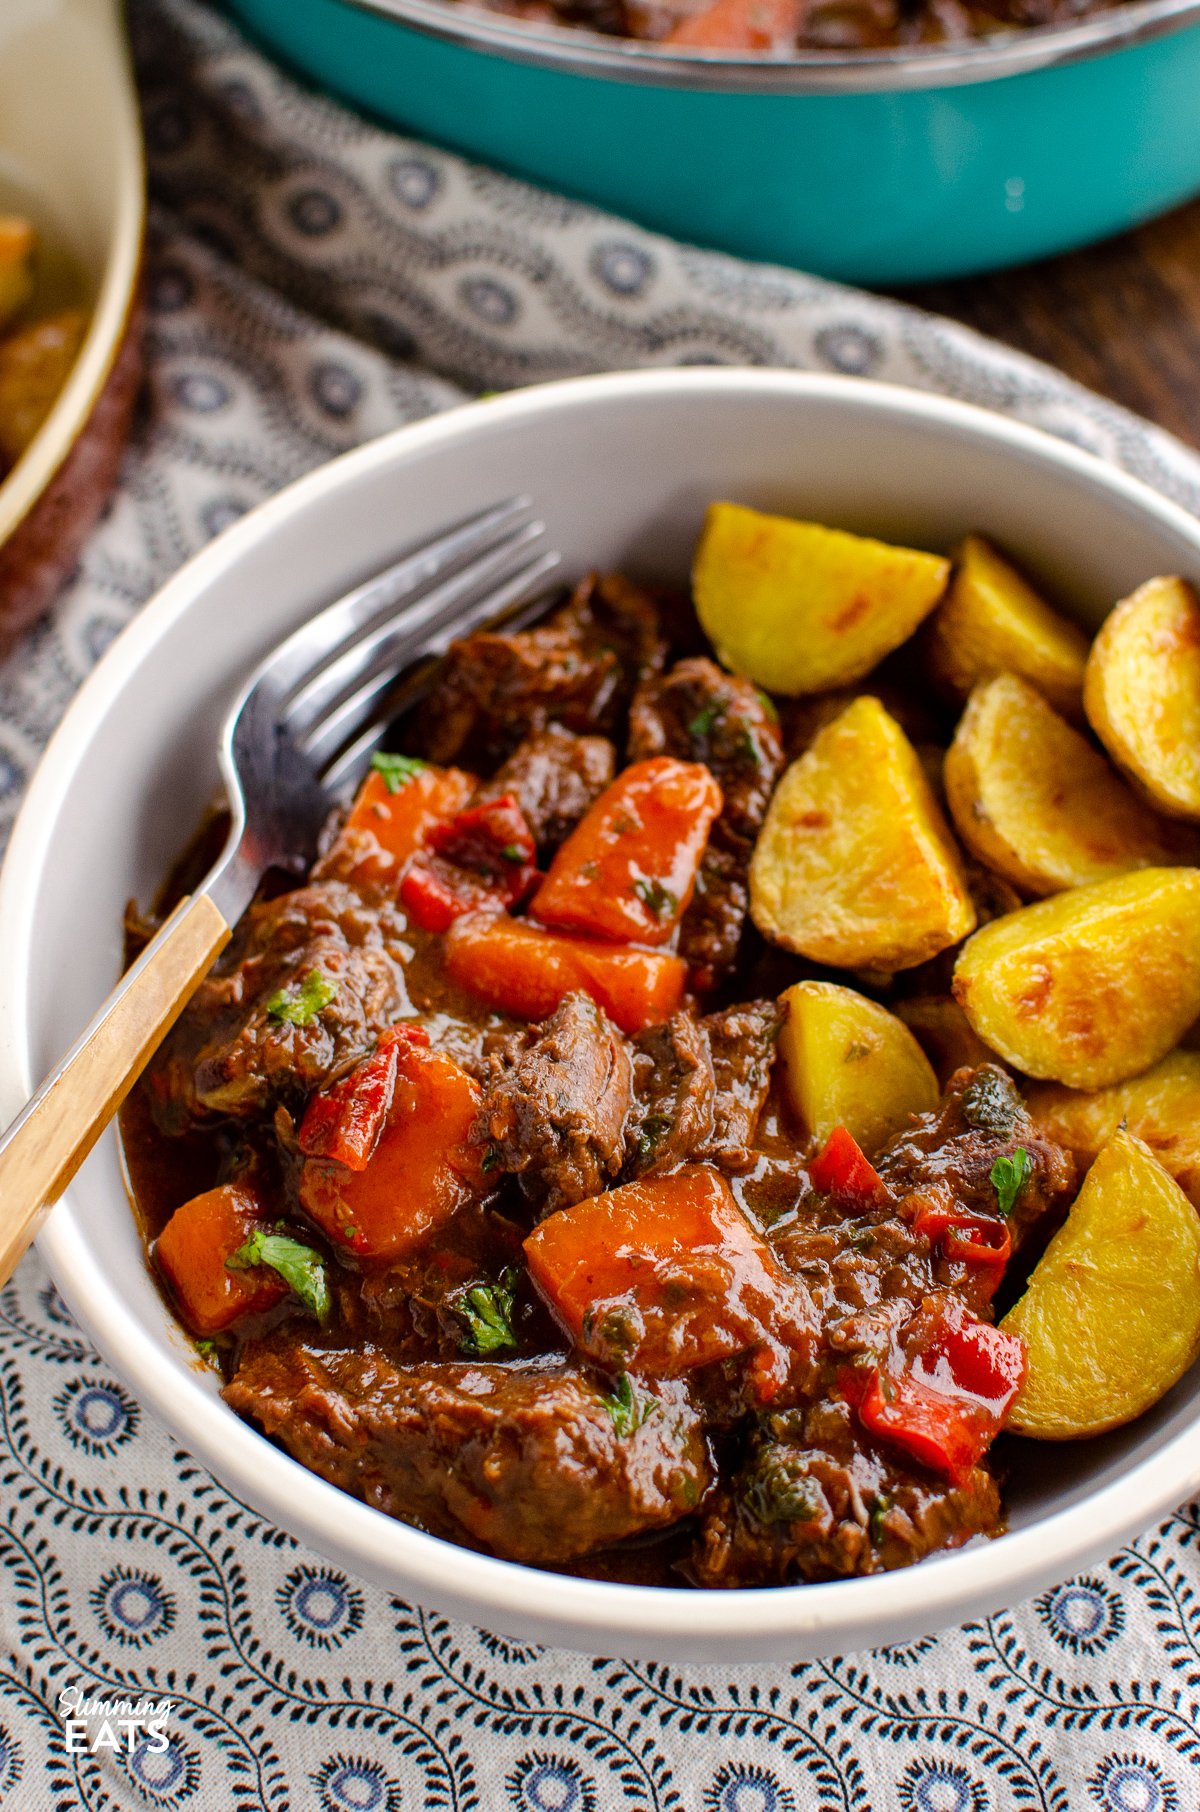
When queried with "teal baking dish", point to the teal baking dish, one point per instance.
{"points": [[875, 167]]}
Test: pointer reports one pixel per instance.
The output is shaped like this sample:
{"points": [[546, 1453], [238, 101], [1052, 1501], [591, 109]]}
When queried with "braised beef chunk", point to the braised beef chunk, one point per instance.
{"points": [[554, 777], [812, 1501], [554, 1112], [672, 1114], [532, 1460], [697, 712], [577, 669], [742, 1042], [307, 984], [980, 1122]]}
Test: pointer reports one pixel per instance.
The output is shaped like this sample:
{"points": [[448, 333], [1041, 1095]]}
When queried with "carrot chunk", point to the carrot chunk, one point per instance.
{"points": [[666, 1274], [526, 971], [420, 1170], [399, 804], [628, 869], [193, 1247], [740, 25]]}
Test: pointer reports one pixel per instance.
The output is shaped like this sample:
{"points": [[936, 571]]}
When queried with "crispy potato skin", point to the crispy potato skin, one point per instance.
{"points": [[855, 865], [1111, 1317], [992, 621], [1141, 692], [800, 608], [1091, 986], [848, 1062], [1162, 1108], [1035, 801]]}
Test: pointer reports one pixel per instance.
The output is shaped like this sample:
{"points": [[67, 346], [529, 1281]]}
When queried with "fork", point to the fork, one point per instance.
{"points": [[297, 737]]}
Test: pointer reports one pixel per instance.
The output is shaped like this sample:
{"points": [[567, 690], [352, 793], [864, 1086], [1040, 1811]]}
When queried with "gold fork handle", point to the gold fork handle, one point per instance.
{"points": [[45, 1145]]}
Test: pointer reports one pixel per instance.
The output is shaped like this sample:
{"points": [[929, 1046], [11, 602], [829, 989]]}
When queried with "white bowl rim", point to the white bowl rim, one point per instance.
{"points": [[842, 1614], [111, 313]]}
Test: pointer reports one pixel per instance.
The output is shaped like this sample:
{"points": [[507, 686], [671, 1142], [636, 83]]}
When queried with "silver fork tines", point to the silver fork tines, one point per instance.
{"points": [[306, 723]]}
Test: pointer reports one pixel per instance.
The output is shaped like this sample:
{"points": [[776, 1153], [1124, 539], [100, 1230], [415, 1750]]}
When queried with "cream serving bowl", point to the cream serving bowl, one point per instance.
{"points": [[71, 160], [621, 467]]}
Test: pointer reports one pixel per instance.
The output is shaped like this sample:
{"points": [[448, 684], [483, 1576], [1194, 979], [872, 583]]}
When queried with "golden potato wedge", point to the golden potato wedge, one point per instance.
{"points": [[1141, 692], [1111, 1317], [1091, 986], [1034, 800], [16, 266], [848, 1062], [992, 621], [34, 365], [800, 608], [1162, 1108], [855, 865], [944, 1033]]}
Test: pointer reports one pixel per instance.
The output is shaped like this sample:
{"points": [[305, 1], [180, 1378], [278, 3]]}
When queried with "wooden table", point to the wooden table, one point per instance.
{"points": [[1122, 317]]}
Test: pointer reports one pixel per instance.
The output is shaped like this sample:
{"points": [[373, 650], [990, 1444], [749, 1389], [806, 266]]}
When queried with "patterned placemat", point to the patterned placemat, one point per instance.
{"points": [[314, 281]]}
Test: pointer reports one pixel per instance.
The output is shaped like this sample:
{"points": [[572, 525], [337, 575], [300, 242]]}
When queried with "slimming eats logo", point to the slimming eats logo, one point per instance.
{"points": [[120, 1725]]}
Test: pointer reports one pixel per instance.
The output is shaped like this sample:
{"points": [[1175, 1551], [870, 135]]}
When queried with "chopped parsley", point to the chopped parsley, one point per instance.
{"points": [[210, 1352], [300, 1004], [650, 1134], [768, 705], [512, 852], [659, 899], [490, 1159], [397, 770], [879, 1510], [627, 1408], [706, 717], [1008, 1176], [300, 1267], [486, 1312]]}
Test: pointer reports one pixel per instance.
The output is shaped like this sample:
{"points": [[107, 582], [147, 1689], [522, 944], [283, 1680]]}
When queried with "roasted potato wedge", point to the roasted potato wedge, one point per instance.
{"points": [[16, 266], [34, 365], [1141, 692], [1092, 986], [848, 1062], [854, 865], [992, 621], [944, 1033], [1034, 800], [1162, 1108], [800, 608], [1111, 1317]]}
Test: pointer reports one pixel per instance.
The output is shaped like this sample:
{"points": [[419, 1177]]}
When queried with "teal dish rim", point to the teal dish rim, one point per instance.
{"points": [[577, 51]]}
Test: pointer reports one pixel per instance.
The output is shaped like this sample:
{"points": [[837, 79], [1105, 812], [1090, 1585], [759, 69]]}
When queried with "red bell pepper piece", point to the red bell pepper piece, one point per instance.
{"points": [[948, 1403], [841, 1169], [483, 859], [976, 1239], [344, 1122]]}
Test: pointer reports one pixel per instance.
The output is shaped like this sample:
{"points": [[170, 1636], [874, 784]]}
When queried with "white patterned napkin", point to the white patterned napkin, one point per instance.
{"points": [[314, 281]]}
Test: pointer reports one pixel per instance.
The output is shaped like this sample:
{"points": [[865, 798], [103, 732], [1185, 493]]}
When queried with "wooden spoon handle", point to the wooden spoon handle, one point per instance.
{"points": [[45, 1145]]}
